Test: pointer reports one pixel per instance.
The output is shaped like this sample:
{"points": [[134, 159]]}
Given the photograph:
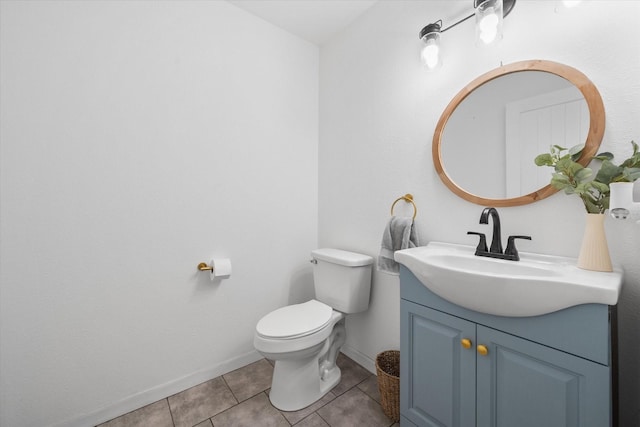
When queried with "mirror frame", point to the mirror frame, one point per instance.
{"points": [[594, 135]]}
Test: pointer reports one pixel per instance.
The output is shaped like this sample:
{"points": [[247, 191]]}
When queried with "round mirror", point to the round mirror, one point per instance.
{"points": [[487, 138]]}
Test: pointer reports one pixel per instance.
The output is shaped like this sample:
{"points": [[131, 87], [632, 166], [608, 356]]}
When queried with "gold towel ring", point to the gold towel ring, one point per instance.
{"points": [[409, 199]]}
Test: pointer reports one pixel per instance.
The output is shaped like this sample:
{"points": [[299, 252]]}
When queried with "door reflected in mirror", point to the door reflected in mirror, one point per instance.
{"points": [[488, 137]]}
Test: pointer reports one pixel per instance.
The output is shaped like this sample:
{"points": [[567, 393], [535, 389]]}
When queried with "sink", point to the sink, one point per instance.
{"points": [[535, 285]]}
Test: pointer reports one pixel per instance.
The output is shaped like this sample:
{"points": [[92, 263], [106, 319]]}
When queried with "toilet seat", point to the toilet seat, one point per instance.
{"points": [[295, 321]]}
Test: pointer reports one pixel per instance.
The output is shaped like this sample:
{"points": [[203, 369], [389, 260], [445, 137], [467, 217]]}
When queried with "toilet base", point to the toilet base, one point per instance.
{"points": [[309, 387], [298, 383]]}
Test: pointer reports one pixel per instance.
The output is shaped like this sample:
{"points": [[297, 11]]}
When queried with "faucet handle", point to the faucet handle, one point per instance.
{"points": [[482, 244], [511, 250]]}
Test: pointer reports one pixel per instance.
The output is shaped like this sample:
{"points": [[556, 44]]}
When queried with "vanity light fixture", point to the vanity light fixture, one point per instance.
{"points": [[430, 53], [489, 15]]}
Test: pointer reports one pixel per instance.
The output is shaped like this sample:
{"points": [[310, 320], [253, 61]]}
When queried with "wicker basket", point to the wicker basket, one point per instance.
{"points": [[388, 370]]}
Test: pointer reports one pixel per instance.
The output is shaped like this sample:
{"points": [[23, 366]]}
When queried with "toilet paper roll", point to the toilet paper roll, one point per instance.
{"points": [[221, 268]]}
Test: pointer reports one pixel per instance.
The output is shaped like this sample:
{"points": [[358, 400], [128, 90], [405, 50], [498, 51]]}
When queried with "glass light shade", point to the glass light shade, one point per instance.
{"points": [[430, 52], [489, 17]]}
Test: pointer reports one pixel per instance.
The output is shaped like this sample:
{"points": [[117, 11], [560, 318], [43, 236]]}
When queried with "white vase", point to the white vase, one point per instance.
{"points": [[594, 252]]}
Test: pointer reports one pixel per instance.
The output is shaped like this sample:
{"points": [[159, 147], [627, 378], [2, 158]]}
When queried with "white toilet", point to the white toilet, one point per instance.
{"points": [[304, 339]]}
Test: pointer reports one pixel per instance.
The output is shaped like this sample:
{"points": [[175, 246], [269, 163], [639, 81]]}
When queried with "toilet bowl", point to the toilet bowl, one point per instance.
{"points": [[299, 376], [304, 339]]}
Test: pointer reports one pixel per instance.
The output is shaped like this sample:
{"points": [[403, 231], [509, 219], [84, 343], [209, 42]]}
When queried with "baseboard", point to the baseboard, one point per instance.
{"points": [[360, 358], [147, 397]]}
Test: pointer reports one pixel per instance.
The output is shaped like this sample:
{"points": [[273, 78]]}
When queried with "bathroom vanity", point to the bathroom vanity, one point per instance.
{"points": [[462, 367], [501, 342]]}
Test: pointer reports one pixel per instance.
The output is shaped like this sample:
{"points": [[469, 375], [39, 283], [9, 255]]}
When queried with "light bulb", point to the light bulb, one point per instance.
{"points": [[489, 17], [430, 52], [488, 28], [431, 55]]}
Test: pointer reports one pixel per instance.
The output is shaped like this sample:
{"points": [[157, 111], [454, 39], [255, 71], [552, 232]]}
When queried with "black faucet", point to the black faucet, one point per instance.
{"points": [[511, 253], [496, 240]]}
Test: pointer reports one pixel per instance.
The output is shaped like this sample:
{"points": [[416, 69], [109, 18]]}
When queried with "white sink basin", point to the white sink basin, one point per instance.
{"points": [[535, 285]]}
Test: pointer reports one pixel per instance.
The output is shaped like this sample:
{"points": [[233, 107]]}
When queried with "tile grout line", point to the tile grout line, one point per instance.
{"points": [[314, 412], [294, 420], [326, 422], [173, 421], [224, 380]]}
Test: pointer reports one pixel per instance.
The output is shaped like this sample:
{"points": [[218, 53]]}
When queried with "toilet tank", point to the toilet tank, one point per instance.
{"points": [[342, 279]]}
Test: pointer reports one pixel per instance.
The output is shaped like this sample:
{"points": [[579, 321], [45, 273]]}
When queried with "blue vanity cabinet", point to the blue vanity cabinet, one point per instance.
{"points": [[437, 374], [523, 380], [525, 384]]}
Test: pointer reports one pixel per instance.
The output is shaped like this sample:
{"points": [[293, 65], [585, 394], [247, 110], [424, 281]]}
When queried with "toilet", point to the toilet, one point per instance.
{"points": [[304, 339]]}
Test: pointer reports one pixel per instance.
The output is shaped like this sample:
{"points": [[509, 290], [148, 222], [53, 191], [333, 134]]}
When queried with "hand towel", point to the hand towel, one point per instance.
{"points": [[400, 233]]}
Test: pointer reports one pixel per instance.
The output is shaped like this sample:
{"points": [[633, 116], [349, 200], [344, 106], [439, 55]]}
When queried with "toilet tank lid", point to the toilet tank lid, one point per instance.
{"points": [[338, 256]]}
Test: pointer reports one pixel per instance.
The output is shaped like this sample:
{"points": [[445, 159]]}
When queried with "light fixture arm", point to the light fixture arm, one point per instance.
{"points": [[507, 8], [459, 22], [490, 28]]}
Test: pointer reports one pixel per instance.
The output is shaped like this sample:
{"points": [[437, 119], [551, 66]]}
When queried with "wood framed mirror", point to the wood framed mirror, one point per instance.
{"points": [[487, 138]]}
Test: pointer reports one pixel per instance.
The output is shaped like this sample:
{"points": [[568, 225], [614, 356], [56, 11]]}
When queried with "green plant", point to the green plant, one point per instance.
{"points": [[573, 178]]}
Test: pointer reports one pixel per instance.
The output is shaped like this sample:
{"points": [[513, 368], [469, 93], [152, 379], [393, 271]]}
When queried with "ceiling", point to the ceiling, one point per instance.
{"points": [[313, 20]]}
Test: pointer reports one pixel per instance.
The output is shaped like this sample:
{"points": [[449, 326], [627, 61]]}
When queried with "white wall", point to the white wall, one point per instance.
{"points": [[378, 113], [138, 139]]}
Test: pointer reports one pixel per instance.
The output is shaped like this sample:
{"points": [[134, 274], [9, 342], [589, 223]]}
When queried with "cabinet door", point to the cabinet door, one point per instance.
{"points": [[524, 384], [437, 374]]}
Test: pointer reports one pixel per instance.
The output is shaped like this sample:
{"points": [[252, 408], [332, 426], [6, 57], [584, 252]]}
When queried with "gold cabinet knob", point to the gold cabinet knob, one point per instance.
{"points": [[482, 350], [466, 343]]}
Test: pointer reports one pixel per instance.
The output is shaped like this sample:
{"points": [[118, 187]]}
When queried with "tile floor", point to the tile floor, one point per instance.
{"points": [[240, 398]]}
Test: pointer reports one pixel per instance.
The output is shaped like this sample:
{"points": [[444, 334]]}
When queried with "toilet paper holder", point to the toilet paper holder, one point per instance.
{"points": [[218, 268], [204, 267]]}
